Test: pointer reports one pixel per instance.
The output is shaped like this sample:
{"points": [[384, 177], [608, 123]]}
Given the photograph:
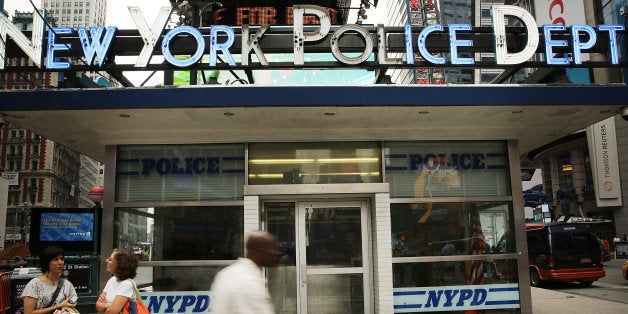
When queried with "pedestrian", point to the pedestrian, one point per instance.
{"points": [[49, 292], [120, 288], [240, 288]]}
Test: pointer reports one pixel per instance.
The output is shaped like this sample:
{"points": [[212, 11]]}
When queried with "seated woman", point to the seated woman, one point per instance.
{"points": [[48, 291]]}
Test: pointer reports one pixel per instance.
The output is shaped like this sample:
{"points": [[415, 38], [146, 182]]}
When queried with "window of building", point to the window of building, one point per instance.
{"points": [[456, 227], [565, 171], [314, 163], [34, 165], [430, 169], [11, 217], [185, 233], [447, 230], [188, 172]]}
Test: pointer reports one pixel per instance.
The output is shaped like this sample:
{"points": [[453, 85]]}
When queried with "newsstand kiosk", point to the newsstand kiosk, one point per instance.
{"points": [[77, 231]]}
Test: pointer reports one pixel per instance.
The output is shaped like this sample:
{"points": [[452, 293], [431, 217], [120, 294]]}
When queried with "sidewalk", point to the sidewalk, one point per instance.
{"points": [[551, 302]]}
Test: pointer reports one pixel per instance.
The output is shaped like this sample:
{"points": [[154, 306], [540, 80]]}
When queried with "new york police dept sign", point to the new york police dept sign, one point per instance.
{"points": [[96, 41]]}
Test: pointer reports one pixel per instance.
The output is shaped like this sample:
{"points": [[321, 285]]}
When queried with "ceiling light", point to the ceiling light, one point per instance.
{"points": [[124, 115], [228, 114]]}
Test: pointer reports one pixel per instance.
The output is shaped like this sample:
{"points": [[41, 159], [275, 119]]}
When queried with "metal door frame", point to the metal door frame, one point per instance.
{"points": [[302, 269]]}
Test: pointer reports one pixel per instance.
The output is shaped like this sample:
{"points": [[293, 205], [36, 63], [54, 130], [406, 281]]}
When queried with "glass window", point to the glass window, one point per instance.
{"points": [[11, 216], [175, 278], [565, 170], [428, 169], [453, 273], [444, 229], [186, 172], [180, 233], [562, 242], [314, 163]]}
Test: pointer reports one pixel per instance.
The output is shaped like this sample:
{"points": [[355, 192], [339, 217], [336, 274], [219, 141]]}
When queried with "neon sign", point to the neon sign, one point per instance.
{"points": [[97, 41]]}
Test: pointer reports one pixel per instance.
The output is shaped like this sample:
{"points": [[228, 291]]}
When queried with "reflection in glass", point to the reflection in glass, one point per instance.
{"points": [[314, 163], [335, 293], [176, 278], [180, 232], [455, 168], [334, 236], [282, 280], [452, 273], [432, 229]]}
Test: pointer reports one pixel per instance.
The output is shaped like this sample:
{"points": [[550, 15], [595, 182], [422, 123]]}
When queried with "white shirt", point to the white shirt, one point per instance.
{"points": [[123, 288], [240, 288]]}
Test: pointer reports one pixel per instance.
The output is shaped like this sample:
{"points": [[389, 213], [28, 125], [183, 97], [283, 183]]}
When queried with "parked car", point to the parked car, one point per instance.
{"points": [[566, 252], [624, 270]]}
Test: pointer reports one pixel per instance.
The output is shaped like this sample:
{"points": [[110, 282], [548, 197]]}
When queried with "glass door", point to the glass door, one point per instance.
{"points": [[326, 263]]}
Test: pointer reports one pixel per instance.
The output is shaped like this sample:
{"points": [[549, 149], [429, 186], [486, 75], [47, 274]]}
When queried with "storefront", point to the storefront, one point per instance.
{"points": [[371, 219], [383, 198], [334, 207]]}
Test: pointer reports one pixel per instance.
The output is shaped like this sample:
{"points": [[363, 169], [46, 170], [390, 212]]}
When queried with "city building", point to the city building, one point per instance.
{"points": [[76, 13], [384, 198], [43, 173]]}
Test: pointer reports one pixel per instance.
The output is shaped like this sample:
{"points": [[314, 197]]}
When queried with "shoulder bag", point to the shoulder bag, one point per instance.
{"points": [[56, 293], [135, 307]]}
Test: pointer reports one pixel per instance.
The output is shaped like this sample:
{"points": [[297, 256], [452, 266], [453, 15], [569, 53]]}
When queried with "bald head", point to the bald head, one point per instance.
{"points": [[261, 249]]}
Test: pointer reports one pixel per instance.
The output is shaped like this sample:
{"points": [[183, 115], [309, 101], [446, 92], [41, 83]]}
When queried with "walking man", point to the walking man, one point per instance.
{"points": [[240, 288]]}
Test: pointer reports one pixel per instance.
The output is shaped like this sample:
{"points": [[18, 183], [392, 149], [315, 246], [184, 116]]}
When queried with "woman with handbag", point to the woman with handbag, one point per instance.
{"points": [[120, 290], [49, 292]]}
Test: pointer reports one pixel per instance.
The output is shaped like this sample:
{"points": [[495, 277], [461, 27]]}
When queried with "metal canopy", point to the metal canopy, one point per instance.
{"points": [[87, 120]]}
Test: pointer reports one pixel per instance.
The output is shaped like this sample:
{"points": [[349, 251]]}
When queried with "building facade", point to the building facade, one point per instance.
{"points": [[76, 13], [383, 198], [43, 173]]}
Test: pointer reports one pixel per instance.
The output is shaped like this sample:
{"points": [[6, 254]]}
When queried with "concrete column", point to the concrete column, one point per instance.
{"points": [[600, 75]]}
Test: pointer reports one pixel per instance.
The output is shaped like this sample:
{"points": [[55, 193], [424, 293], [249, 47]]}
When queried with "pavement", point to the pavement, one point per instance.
{"points": [[550, 301]]}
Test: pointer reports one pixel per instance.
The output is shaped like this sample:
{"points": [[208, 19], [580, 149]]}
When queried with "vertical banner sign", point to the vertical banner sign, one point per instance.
{"points": [[604, 162]]}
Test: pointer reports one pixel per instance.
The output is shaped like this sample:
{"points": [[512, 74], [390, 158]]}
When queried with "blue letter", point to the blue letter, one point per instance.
{"points": [[433, 299], [479, 297], [577, 45], [96, 47], [200, 46], [612, 39], [147, 165], [415, 161], [224, 47], [187, 301], [201, 304], [454, 44], [407, 35], [52, 47], [198, 165], [422, 40], [549, 43], [465, 294]]}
